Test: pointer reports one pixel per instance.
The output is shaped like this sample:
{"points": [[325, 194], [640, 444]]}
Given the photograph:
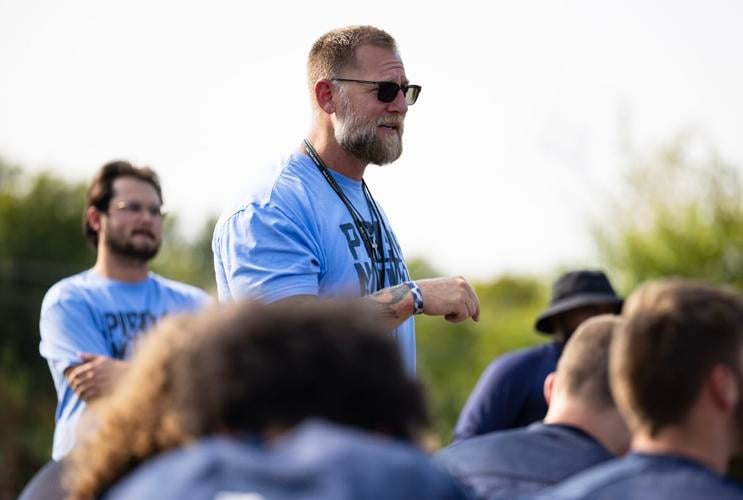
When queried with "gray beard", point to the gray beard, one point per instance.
{"points": [[360, 140]]}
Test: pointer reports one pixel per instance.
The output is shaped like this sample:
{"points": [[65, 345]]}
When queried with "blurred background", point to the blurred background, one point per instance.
{"points": [[549, 136]]}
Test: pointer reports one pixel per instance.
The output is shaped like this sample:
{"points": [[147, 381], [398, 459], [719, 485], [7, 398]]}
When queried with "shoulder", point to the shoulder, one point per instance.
{"points": [[591, 483], [523, 359], [314, 460], [178, 289], [284, 184], [472, 451], [70, 290], [369, 463]]}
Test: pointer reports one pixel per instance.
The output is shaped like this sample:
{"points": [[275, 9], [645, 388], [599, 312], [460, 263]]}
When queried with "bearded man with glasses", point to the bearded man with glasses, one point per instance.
{"points": [[91, 321], [313, 228]]}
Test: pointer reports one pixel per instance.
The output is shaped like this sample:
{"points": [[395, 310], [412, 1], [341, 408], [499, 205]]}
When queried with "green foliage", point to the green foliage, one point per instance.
{"points": [[451, 357], [187, 261], [680, 216], [40, 242]]}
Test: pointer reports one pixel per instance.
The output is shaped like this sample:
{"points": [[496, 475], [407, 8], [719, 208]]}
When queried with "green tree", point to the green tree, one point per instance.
{"points": [[677, 216], [40, 242], [451, 357]]}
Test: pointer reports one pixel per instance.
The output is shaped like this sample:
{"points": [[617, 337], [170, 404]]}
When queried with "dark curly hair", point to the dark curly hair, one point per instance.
{"points": [[247, 367]]}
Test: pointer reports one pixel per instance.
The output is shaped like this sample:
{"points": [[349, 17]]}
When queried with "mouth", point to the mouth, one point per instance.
{"points": [[147, 234], [390, 128]]}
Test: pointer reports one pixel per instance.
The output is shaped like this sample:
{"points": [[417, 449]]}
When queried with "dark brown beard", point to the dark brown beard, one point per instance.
{"points": [[127, 249]]}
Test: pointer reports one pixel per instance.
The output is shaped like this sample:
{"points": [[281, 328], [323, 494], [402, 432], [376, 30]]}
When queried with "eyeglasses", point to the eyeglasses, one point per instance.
{"points": [[387, 91], [136, 208]]}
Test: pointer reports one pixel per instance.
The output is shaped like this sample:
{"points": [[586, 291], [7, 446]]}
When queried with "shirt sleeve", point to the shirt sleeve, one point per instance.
{"points": [[495, 402], [269, 253], [68, 327]]}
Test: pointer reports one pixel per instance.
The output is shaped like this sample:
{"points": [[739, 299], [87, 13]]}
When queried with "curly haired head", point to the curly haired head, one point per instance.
{"points": [[249, 367]]}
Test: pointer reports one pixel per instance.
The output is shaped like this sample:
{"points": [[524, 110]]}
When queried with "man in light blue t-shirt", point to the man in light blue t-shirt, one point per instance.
{"points": [[311, 227], [90, 321]]}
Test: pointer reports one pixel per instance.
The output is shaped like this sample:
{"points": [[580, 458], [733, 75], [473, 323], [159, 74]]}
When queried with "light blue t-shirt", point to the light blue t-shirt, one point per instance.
{"points": [[292, 235], [88, 313]]}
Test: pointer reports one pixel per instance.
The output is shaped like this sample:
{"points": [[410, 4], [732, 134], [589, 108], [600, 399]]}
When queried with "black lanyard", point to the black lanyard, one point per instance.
{"points": [[374, 251]]}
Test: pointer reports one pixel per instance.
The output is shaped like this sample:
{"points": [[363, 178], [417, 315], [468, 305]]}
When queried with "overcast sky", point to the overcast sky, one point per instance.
{"points": [[511, 150]]}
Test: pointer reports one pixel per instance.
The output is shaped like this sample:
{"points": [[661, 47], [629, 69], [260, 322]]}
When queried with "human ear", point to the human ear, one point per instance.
{"points": [[549, 387], [324, 96], [93, 216], [724, 386]]}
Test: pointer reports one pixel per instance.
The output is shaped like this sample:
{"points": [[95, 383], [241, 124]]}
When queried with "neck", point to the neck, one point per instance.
{"points": [[120, 268], [604, 425], [705, 444], [335, 157]]}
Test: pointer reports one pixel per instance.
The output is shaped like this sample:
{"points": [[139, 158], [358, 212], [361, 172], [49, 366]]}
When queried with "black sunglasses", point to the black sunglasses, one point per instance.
{"points": [[387, 91]]}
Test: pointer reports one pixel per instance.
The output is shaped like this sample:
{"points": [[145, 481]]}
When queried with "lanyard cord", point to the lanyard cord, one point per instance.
{"points": [[394, 258], [375, 253]]}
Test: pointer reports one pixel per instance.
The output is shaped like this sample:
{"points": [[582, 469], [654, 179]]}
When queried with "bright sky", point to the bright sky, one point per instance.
{"points": [[509, 153]]}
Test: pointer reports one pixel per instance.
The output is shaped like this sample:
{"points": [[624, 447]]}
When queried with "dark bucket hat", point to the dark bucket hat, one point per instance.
{"points": [[577, 289]]}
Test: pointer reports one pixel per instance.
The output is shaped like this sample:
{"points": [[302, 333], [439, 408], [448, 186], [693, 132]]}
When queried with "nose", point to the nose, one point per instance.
{"points": [[399, 104]]}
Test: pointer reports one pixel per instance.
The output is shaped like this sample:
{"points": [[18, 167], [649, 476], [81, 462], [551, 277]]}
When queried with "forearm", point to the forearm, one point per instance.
{"points": [[394, 305]]}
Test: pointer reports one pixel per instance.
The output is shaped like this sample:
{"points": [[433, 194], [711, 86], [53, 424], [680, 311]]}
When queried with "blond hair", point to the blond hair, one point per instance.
{"points": [[584, 364], [335, 51]]}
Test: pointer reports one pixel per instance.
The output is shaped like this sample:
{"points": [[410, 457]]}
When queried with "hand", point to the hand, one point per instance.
{"points": [[95, 376], [452, 298]]}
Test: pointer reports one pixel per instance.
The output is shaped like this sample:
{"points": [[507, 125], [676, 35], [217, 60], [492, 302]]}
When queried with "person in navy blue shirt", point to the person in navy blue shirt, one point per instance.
{"points": [[676, 371], [582, 427], [279, 401], [509, 393]]}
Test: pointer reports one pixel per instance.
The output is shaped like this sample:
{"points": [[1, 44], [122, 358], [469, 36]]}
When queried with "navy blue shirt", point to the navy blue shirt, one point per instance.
{"points": [[505, 464], [46, 483], [640, 476], [510, 392], [318, 460]]}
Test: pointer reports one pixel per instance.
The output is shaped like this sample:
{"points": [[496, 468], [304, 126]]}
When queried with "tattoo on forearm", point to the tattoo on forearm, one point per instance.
{"points": [[387, 299]]}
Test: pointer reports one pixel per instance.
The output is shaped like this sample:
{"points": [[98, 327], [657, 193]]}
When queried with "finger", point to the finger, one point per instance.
{"points": [[73, 371], [476, 310], [474, 304], [471, 309], [82, 388], [77, 376], [87, 394], [86, 356], [457, 316], [82, 378]]}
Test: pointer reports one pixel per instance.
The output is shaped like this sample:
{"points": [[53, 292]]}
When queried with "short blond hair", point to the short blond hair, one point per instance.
{"points": [[584, 365], [335, 51]]}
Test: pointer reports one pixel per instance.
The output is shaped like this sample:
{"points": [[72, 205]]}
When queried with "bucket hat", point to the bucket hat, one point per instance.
{"points": [[574, 290]]}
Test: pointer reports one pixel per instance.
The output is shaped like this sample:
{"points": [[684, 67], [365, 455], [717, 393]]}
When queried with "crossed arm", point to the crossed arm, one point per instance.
{"points": [[95, 376]]}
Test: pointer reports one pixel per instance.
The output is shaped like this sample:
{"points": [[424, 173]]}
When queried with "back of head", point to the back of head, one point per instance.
{"points": [[675, 332], [248, 367], [583, 369], [271, 366], [335, 51]]}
